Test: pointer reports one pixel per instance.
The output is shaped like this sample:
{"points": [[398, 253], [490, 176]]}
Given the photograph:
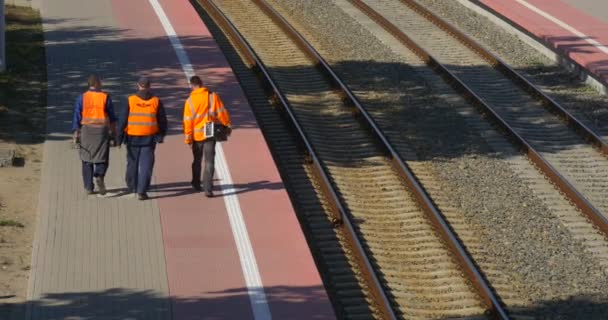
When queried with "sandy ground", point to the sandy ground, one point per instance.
{"points": [[22, 127], [18, 202]]}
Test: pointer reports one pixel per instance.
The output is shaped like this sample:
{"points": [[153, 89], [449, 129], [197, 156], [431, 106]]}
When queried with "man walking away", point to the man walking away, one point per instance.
{"points": [[93, 123], [141, 126], [202, 107]]}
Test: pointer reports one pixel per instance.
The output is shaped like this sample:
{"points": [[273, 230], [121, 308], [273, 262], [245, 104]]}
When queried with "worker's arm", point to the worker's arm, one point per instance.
{"points": [[221, 112], [111, 116], [161, 119], [77, 118], [122, 125], [188, 122]]}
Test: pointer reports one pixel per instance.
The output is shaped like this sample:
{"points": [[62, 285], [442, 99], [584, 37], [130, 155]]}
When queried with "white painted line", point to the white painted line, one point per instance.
{"points": [[255, 288], [564, 25], [172, 35]]}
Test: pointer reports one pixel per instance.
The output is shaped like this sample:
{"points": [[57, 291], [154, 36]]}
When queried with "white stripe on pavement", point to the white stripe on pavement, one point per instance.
{"points": [[564, 25], [255, 288]]}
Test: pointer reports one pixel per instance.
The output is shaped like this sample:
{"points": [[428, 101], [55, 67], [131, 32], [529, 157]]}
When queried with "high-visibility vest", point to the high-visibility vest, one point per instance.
{"points": [[202, 107], [142, 116], [94, 108]]}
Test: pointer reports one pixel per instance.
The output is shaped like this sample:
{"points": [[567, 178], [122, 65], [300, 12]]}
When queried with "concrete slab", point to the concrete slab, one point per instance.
{"points": [[93, 258], [176, 255], [574, 34]]}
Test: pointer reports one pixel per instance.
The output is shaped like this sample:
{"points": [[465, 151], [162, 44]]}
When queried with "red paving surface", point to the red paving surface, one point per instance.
{"points": [[204, 272], [565, 41]]}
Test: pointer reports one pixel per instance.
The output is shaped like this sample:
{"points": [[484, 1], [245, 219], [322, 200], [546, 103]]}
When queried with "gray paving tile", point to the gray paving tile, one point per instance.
{"points": [[93, 257]]}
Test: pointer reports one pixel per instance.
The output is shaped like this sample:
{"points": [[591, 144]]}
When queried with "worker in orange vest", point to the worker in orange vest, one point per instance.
{"points": [[142, 125], [93, 126], [201, 108]]}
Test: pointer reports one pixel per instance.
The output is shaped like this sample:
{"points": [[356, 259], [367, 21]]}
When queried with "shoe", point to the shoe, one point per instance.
{"points": [[197, 187], [142, 196], [89, 192], [101, 185], [209, 194]]}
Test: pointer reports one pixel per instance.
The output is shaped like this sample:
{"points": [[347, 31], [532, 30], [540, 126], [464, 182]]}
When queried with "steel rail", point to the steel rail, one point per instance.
{"points": [[380, 302], [568, 190], [423, 199], [515, 76]]}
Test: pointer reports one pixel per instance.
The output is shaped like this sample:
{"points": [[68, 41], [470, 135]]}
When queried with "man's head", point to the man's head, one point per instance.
{"points": [[196, 82], [143, 83], [94, 82]]}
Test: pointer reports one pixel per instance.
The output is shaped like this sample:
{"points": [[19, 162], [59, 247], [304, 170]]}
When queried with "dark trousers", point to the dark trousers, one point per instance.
{"points": [[140, 162], [203, 149], [90, 170]]}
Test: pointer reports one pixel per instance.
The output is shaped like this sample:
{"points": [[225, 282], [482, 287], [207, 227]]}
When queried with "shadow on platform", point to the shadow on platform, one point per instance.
{"points": [[285, 303], [414, 111], [178, 189], [283, 300], [126, 58]]}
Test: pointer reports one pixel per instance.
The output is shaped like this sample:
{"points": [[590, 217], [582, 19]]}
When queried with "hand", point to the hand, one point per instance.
{"points": [[75, 136], [113, 130]]}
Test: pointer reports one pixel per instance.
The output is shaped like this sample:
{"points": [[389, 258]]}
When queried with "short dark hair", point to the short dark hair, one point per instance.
{"points": [[196, 81], [94, 80], [144, 82]]}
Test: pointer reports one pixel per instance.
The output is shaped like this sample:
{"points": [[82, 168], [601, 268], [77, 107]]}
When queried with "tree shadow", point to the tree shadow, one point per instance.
{"points": [[23, 93], [286, 302], [123, 65], [424, 117], [129, 58], [558, 42], [416, 108]]}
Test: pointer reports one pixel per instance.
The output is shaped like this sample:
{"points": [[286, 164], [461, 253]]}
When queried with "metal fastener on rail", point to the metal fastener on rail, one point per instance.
{"points": [[422, 197], [534, 156], [505, 69], [382, 304]]}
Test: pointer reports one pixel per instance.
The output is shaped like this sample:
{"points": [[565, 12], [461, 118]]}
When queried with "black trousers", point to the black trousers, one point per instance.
{"points": [[140, 163], [90, 170], [203, 149]]}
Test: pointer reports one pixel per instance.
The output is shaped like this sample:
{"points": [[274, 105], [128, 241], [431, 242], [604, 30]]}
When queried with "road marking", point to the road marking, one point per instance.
{"points": [[564, 25], [255, 288]]}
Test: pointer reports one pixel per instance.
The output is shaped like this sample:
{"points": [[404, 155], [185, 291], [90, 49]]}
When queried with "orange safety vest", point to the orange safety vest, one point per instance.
{"points": [[142, 116], [202, 107], [94, 109]]}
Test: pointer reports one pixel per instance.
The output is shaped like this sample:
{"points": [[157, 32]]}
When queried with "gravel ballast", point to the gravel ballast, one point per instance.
{"points": [[566, 88], [548, 271]]}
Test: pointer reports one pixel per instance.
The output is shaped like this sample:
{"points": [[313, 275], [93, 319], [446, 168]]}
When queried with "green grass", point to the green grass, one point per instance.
{"points": [[23, 86], [11, 223]]}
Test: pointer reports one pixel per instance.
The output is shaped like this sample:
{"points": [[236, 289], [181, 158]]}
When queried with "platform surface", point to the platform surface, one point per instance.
{"points": [[576, 28], [239, 255]]}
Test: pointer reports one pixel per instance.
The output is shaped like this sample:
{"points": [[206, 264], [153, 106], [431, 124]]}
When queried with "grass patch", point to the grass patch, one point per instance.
{"points": [[23, 85], [11, 223]]}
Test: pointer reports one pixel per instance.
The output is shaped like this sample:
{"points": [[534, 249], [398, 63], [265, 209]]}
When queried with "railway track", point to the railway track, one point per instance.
{"points": [[520, 304], [342, 277], [422, 268], [571, 155]]}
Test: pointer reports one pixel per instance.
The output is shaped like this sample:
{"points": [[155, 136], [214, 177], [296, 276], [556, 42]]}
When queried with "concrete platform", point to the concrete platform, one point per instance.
{"points": [[240, 255], [577, 30]]}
